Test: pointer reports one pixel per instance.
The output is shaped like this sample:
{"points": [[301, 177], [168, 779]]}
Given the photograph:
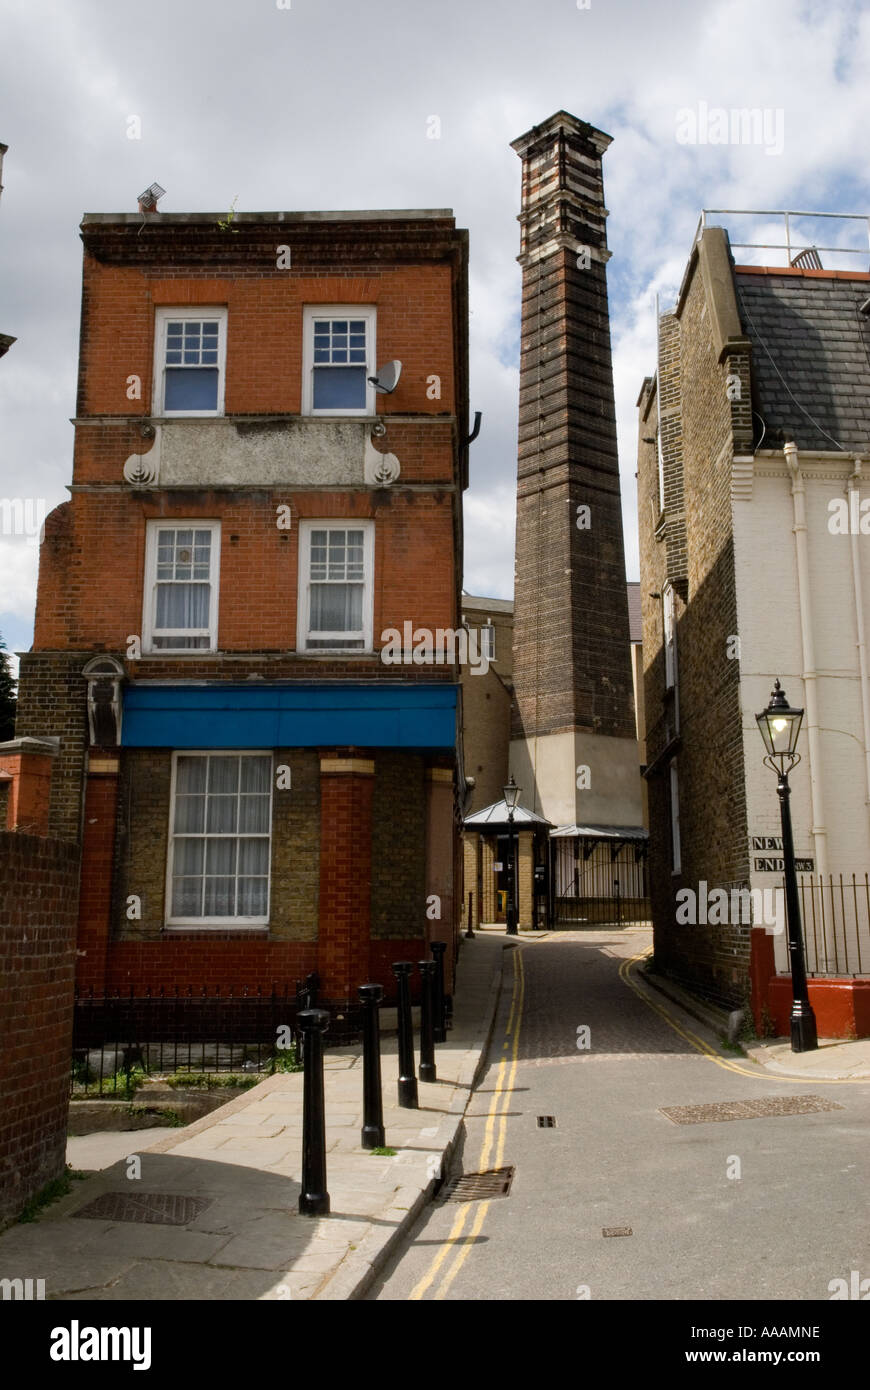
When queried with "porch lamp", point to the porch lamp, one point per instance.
{"points": [[511, 798], [779, 726]]}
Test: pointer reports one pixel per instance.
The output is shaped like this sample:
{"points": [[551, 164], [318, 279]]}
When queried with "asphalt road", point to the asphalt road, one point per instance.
{"points": [[750, 1208]]}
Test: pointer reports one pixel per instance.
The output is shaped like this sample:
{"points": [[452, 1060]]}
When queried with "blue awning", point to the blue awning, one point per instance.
{"points": [[383, 715]]}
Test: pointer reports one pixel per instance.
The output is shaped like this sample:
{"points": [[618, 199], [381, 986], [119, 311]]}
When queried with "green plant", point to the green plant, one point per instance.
{"points": [[126, 1080], [226, 224], [286, 1060], [52, 1192], [209, 1080], [82, 1075], [383, 1152], [768, 1027]]}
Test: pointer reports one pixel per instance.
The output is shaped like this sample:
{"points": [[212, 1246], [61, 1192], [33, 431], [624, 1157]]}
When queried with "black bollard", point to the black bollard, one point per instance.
{"points": [[438, 948], [407, 1079], [469, 930], [427, 1030], [373, 1108], [314, 1198]]}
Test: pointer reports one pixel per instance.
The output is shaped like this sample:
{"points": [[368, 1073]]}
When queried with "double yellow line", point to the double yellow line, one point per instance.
{"points": [[495, 1133], [760, 1074]]}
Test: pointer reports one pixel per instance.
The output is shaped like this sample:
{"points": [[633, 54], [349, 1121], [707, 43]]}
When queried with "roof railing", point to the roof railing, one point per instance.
{"points": [[792, 248]]}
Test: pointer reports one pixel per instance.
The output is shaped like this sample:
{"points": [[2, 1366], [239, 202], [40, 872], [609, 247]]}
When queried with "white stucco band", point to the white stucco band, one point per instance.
{"points": [[232, 452], [549, 767]]}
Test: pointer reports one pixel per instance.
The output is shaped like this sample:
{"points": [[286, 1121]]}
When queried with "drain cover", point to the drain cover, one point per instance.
{"points": [[616, 1230], [747, 1109], [155, 1208], [546, 1122], [473, 1187]]}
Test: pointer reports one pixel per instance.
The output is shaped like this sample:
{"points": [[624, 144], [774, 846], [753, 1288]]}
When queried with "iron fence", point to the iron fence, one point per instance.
{"points": [[599, 884], [836, 920], [166, 1032]]}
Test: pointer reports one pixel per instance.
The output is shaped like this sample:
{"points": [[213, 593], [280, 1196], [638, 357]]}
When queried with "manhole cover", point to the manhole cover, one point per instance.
{"points": [[472, 1187], [747, 1109], [155, 1208], [616, 1230], [546, 1122]]}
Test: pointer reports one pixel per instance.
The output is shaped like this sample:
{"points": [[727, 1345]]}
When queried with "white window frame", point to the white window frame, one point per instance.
{"points": [[487, 641], [303, 591], [199, 312], [674, 799], [337, 311], [210, 923], [669, 630], [152, 527]]}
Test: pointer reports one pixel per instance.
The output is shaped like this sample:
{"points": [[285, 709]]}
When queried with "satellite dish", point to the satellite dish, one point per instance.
{"points": [[387, 378]]}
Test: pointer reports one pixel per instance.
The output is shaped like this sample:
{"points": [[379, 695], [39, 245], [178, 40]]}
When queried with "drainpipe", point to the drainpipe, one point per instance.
{"points": [[852, 488], [798, 492]]}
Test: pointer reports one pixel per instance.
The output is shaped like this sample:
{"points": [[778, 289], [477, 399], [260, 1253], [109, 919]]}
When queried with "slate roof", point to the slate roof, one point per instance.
{"points": [[810, 349]]}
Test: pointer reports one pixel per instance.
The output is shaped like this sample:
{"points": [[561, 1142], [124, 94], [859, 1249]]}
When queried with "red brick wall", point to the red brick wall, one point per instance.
{"points": [[38, 910], [264, 343], [345, 878], [95, 601]]}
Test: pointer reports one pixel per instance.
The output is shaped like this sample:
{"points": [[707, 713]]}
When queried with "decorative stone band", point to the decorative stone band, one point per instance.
{"points": [[358, 767], [104, 766]]}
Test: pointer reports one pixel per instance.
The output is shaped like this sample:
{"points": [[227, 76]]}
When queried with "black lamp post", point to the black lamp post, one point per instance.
{"points": [[779, 725], [511, 797]]}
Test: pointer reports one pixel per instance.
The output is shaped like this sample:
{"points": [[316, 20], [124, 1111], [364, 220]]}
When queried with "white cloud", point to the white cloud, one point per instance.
{"points": [[237, 99]]}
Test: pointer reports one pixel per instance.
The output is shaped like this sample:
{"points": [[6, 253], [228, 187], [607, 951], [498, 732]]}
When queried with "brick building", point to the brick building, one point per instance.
{"points": [[259, 793], [753, 439]]}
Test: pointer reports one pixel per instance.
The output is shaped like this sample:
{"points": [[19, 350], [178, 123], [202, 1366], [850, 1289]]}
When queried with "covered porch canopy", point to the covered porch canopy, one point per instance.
{"points": [[487, 870]]}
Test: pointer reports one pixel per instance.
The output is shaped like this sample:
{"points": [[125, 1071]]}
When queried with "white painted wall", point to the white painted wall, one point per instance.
{"points": [[769, 624]]}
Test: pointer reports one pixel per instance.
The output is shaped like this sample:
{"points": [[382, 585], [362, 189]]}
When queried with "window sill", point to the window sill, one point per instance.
{"points": [[175, 653], [223, 925]]}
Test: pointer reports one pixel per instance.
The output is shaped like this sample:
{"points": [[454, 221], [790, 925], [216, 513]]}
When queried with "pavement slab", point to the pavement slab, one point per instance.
{"points": [[251, 1242]]}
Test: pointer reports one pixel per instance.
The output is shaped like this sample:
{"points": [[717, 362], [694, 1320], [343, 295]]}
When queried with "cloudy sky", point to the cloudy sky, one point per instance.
{"points": [[303, 104]]}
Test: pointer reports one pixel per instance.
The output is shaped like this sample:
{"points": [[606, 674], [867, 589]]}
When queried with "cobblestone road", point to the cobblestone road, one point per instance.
{"points": [[711, 1206]]}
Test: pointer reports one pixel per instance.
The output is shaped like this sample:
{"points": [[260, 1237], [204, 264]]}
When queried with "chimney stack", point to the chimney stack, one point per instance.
{"points": [[573, 703]]}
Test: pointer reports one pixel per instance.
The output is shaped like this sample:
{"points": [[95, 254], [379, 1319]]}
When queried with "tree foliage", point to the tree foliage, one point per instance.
{"points": [[7, 695]]}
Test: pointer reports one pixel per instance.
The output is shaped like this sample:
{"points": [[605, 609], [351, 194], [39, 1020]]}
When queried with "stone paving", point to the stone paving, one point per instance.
{"points": [[245, 1159]]}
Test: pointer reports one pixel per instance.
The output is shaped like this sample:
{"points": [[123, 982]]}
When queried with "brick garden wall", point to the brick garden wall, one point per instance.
{"points": [[38, 911]]}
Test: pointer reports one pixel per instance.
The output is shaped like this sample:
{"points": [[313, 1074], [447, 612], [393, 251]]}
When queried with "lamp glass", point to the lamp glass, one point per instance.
{"points": [[780, 725], [512, 794]]}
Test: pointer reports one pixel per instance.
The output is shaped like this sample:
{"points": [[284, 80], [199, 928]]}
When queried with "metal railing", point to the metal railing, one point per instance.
{"points": [[790, 245], [835, 913], [117, 1037], [578, 914]]}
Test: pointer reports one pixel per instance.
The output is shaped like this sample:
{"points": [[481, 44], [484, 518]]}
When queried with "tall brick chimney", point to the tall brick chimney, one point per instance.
{"points": [[573, 705]]}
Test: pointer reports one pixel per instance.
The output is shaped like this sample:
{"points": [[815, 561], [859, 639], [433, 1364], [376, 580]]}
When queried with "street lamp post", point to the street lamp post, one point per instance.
{"points": [[511, 797], [779, 726]]}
